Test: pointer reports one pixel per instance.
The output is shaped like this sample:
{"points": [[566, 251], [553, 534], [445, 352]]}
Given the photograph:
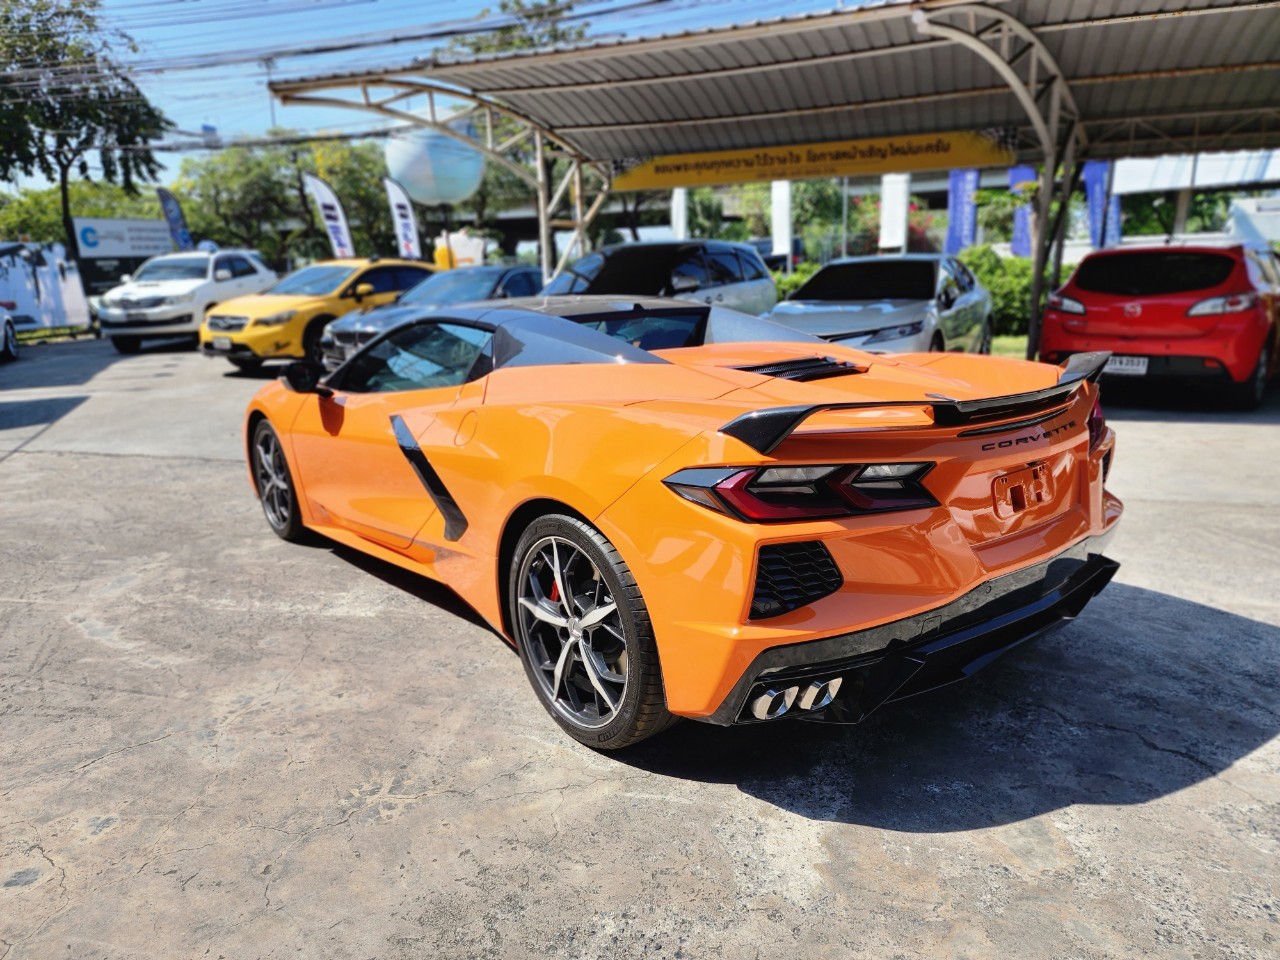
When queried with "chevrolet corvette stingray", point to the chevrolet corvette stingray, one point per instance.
{"points": [[674, 510]]}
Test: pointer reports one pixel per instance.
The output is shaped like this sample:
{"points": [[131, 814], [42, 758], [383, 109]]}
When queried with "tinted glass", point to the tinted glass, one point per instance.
{"points": [[652, 331], [240, 267], [752, 268], [1152, 273], [524, 283], [174, 268], [453, 286], [641, 270], [963, 277], [407, 277], [692, 265], [871, 280], [313, 281], [382, 279], [420, 357], [724, 267]]}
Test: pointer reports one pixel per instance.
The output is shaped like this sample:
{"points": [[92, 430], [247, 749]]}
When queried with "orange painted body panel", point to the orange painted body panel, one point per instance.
{"points": [[600, 439]]}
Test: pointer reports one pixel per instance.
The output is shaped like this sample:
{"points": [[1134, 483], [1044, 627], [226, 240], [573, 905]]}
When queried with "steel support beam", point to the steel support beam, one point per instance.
{"points": [[501, 134], [1034, 78]]}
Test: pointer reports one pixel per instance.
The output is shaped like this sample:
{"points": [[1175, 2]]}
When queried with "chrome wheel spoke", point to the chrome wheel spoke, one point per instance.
{"points": [[593, 617], [565, 651], [540, 611]]}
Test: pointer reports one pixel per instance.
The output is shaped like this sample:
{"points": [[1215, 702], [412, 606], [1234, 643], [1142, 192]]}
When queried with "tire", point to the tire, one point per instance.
{"points": [[248, 366], [311, 340], [8, 342], [551, 643], [984, 347], [127, 345], [1248, 394], [937, 345], [274, 483]]}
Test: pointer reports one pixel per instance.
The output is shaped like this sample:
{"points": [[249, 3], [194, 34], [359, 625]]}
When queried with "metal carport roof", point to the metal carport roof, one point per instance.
{"points": [[1146, 76]]}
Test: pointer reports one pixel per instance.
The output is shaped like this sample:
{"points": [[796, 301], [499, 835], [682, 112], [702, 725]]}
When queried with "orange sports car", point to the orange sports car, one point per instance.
{"points": [[674, 510]]}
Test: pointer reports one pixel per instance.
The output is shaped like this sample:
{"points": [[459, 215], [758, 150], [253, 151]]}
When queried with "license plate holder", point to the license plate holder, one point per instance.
{"points": [[222, 343], [1019, 490], [1126, 366], [135, 316]]}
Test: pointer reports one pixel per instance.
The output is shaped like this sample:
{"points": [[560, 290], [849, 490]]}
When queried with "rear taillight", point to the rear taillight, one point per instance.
{"points": [[1097, 423], [1063, 304], [802, 492], [1231, 303]]}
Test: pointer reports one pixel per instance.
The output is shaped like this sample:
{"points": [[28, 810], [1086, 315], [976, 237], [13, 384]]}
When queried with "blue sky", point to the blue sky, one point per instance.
{"points": [[233, 97]]}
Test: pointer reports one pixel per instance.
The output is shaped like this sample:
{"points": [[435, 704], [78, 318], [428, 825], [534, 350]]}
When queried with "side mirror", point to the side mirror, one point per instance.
{"points": [[222, 274], [363, 290], [126, 277], [683, 283], [303, 376]]}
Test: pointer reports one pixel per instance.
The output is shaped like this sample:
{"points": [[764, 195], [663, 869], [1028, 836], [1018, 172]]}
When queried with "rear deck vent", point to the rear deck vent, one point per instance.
{"points": [[806, 368], [790, 575]]}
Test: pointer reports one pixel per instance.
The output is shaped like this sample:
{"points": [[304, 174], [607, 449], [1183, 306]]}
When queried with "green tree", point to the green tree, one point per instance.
{"points": [[37, 212], [536, 24], [67, 101]]}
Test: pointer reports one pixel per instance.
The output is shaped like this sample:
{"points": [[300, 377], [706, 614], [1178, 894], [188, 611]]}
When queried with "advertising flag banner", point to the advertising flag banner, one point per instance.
{"points": [[962, 210], [1096, 174], [1111, 235], [331, 212], [801, 161], [173, 215], [405, 221], [1019, 177]]}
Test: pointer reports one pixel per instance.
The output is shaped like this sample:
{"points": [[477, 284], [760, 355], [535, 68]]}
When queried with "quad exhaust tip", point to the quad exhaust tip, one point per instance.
{"points": [[774, 703]]}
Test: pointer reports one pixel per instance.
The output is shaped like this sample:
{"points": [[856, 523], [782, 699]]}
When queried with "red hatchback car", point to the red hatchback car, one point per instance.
{"points": [[1201, 313]]}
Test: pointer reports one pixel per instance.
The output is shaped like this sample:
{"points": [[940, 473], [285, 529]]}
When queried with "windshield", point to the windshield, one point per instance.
{"points": [[639, 271], [453, 286], [174, 268], [871, 280], [1153, 273], [313, 281]]}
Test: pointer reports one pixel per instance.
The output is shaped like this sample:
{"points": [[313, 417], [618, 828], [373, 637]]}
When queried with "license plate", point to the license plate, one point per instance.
{"points": [[134, 317], [222, 343], [1126, 366]]}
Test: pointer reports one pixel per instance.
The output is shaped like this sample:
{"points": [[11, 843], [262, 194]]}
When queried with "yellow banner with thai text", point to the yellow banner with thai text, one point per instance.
{"points": [[806, 161]]}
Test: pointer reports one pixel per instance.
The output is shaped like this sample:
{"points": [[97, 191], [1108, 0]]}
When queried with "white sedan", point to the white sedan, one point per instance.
{"points": [[893, 304]]}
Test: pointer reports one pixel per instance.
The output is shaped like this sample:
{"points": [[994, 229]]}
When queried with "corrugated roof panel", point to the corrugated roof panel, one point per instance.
{"points": [[870, 72]]}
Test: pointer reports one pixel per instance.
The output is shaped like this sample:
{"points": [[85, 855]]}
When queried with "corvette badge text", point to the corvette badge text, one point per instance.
{"points": [[1046, 434]]}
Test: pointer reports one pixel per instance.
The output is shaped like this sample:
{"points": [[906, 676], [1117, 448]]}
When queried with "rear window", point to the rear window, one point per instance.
{"points": [[871, 280], [1153, 273]]}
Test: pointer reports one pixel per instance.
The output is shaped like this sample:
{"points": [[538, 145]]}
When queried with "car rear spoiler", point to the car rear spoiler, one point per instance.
{"points": [[764, 430]]}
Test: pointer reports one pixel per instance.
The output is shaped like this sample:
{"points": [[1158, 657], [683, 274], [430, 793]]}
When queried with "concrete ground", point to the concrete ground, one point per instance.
{"points": [[215, 744]]}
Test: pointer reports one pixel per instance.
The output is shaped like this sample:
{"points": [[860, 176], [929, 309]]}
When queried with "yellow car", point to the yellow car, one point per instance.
{"points": [[286, 320]]}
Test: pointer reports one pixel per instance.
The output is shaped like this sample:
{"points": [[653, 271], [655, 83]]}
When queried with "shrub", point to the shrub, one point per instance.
{"points": [[1009, 281], [788, 284]]}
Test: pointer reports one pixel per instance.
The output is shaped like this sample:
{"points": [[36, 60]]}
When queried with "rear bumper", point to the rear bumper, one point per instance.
{"points": [[1229, 353], [920, 653]]}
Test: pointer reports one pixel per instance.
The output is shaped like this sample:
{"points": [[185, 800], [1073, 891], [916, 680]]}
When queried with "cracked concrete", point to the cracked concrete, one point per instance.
{"points": [[217, 744]]}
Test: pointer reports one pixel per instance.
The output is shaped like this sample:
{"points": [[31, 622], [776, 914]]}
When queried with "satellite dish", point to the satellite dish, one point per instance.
{"points": [[433, 167]]}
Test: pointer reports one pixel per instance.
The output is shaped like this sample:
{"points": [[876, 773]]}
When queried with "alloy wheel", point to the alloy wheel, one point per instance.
{"points": [[273, 479], [573, 632]]}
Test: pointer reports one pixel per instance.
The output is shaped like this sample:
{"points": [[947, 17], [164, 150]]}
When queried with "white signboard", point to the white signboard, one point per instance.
{"points": [[895, 204], [102, 238]]}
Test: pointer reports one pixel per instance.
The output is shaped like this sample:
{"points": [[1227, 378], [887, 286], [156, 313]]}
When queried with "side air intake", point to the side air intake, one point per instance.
{"points": [[790, 575]]}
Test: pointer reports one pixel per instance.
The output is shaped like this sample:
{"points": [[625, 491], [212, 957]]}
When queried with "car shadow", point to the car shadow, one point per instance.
{"points": [[1144, 696], [430, 591], [1168, 403], [17, 414]]}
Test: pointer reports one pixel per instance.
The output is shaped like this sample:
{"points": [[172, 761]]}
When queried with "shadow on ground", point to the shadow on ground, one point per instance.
{"points": [[1142, 697], [1170, 403], [31, 413], [72, 363]]}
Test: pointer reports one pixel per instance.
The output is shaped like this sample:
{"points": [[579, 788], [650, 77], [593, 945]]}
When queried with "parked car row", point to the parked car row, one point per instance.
{"points": [[1186, 312]]}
